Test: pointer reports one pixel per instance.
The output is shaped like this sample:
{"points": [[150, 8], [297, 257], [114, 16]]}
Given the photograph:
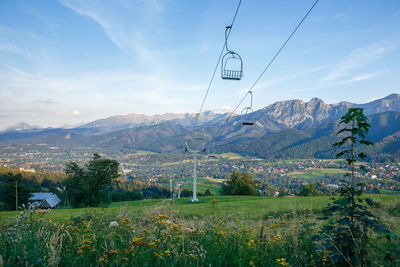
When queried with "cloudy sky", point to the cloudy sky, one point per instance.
{"points": [[71, 61]]}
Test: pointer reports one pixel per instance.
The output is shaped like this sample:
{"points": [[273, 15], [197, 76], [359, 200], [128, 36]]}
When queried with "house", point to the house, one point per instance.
{"points": [[44, 200]]}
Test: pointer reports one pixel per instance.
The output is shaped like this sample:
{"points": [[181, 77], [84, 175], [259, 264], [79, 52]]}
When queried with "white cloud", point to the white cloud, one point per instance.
{"points": [[9, 48], [245, 90], [226, 108], [5, 30], [95, 94], [338, 16], [125, 23], [357, 58], [361, 77], [223, 109]]}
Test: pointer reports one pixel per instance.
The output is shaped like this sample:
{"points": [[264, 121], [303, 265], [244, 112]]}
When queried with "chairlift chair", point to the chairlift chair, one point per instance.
{"points": [[249, 111], [231, 66], [211, 151], [195, 145], [231, 62]]}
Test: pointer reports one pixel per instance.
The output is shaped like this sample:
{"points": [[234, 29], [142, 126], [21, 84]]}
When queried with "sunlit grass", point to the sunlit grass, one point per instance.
{"points": [[217, 231], [316, 173]]}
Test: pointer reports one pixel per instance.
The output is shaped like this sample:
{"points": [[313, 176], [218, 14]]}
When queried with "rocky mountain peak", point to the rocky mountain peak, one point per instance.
{"points": [[315, 100], [392, 97]]}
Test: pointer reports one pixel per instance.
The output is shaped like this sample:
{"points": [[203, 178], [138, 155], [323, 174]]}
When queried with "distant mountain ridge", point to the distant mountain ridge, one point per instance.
{"points": [[280, 115], [137, 120], [277, 116], [302, 115], [283, 129], [21, 126], [317, 141]]}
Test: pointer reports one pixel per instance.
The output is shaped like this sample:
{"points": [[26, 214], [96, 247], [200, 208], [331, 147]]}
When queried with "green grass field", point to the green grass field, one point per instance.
{"points": [[231, 156], [144, 152], [207, 183], [316, 173], [242, 207]]}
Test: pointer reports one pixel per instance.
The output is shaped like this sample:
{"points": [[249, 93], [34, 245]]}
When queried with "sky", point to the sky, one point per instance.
{"points": [[72, 61]]}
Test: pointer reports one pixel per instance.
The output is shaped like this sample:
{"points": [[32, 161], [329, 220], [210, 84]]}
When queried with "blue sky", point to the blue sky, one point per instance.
{"points": [[70, 61]]}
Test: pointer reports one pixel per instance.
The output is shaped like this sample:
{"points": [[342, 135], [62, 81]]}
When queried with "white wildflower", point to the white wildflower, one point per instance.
{"points": [[113, 224]]}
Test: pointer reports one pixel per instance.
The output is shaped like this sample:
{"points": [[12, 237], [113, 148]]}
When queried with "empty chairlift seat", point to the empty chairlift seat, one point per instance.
{"points": [[247, 113], [231, 66], [231, 62]]}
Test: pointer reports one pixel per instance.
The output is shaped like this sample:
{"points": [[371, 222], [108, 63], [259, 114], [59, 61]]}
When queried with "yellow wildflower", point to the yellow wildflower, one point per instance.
{"points": [[251, 244], [160, 217], [113, 252], [248, 229], [158, 255], [137, 241], [277, 238], [282, 261]]}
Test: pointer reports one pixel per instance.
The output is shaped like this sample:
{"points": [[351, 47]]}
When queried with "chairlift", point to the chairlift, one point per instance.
{"points": [[249, 111], [211, 151], [195, 145], [231, 62]]}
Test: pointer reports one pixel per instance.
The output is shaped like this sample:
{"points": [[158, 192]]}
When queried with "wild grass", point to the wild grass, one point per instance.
{"points": [[218, 231]]}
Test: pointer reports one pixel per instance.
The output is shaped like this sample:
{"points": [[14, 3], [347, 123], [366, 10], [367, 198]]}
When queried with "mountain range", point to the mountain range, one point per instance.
{"points": [[284, 129]]}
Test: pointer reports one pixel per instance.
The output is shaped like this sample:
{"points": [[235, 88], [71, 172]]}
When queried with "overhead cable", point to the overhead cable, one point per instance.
{"points": [[216, 66], [270, 62], [273, 59]]}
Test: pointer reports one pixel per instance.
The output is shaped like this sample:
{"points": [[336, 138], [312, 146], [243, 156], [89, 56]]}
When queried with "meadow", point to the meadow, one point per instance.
{"points": [[221, 231], [317, 173]]}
